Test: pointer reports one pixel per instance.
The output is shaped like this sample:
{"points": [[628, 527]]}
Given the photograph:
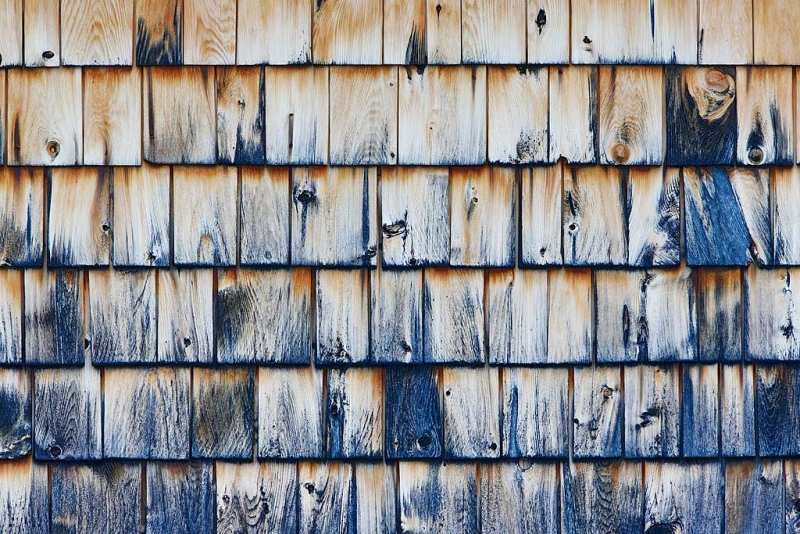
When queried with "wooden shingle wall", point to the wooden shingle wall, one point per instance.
{"points": [[399, 265]]}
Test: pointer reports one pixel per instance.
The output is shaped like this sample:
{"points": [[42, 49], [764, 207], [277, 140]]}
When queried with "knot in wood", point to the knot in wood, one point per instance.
{"points": [[620, 153], [755, 155], [47, 54], [53, 149], [55, 451], [304, 195], [424, 441], [608, 392], [394, 229]]}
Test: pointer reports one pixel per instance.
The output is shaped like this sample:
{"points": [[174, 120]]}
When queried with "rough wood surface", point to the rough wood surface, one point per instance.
{"points": [[573, 99], [185, 315], [517, 316], [241, 138], [54, 317], [396, 309], [786, 211], [159, 32], [376, 506], [96, 32], [493, 31], [737, 410], [11, 314], [438, 498], [597, 412], [770, 315], [764, 112], [770, 19], [602, 497], [274, 33], [264, 216], [548, 31], [444, 31], [686, 496], [25, 497], [777, 413], [569, 317], [453, 316], [471, 412], [405, 37], [726, 32], [209, 32], [41, 29], [652, 411], [222, 413], [700, 412], [112, 116], [180, 497], [654, 217], [354, 425], [719, 314], [519, 498], [753, 496], [11, 40], [517, 109], [791, 495], [327, 497], [540, 216], [22, 193], [413, 413], [15, 425], [342, 311], [347, 32]]}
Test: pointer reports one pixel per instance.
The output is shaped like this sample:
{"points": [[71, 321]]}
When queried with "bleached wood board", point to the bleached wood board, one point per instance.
{"points": [[15, 426], [54, 317], [548, 31], [405, 36], [354, 418], [719, 314], [342, 312], [376, 488], [569, 317], [771, 19], [540, 216], [274, 33], [737, 410], [240, 116], [438, 497], [471, 412], [453, 316], [41, 20], [25, 496], [256, 496], [11, 314], [444, 32], [112, 116], [597, 407], [519, 497], [209, 32], [264, 216], [654, 217], [518, 115], [97, 32], [652, 411], [726, 32], [396, 316], [11, 40], [327, 497], [573, 99], [700, 413], [222, 413], [764, 112], [785, 212], [770, 315], [347, 32], [754, 496], [684, 495], [185, 315], [22, 194], [517, 316], [159, 32], [493, 31], [602, 497]]}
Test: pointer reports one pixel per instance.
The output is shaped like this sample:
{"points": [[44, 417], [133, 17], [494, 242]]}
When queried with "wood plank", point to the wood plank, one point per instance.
{"points": [[204, 223], [333, 209], [652, 406], [700, 411], [25, 497], [517, 498], [737, 410], [791, 495], [67, 415], [97, 32], [786, 210], [569, 317], [493, 32], [15, 425], [363, 115], [274, 33], [597, 412], [453, 317], [602, 497], [444, 32], [442, 116], [327, 497], [535, 412], [686, 496], [548, 31], [726, 32], [222, 413], [296, 115], [342, 311], [540, 216], [159, 32], [471, 412], [185, 315], [594, 213], [778, 17], [517, 316], [264, 216], [719, 314], [256, 497], [727, 216], [179, 115], [122, 316], [413, 414], [11, 313], [405, 36], [438, 497], [354, 423], [753, 496], [764, 110], [518, 121], [180, 497], [573, 99], [21, 217], [209, 32], [777, 413], [142, 216], [654, 217], [655, 311], [54, 311], [345, 32], [146, 413], [41, 21], [44, 117], [263, 316], [112, 116], [290, 403], [770, 315], [701, 116], [240, 116], [11, 40], [482, 217], [396, 309], [375, 498]]}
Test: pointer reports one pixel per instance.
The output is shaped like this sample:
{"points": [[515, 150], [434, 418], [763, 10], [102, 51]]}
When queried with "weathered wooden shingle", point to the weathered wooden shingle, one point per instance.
{"points": [[22, 193], [112, 116], [209, 32], [11, 314], [700, 411], [240, 116], [602, 495], [569, 317], [185, 315], [354, 409], [443, 32], [396, 322], [785, 214], [327, 497], [753, 496], [517, 316], [42, 45], [180, 497], [342, 311], [771, 19], [519, 497], [159, 32], [493, 32], [737, 410], [654, 217], [597, 412], [413, 413], [726, 32], [347, 32], [573, 101], [222, 413], [376, 489], [764, 112], [471, 412], [770, 314], [539, 232], [25, 496], [11, 40], [15, 425], [54, 317], [719, 314], [253, 497], [97, 32], [548, 31], [440, 497], [517, 110], [777, 413], [453, 316], [264, 216], [652, 411], [688, 496], [274, 33]]}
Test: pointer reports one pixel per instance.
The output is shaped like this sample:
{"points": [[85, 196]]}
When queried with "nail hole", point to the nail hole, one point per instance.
{"points": [[412, 261], [53, 148], [47, 54], [424, 441], [334, 409], [756, 155], [55, 451], [105, 227], [187, 342], [586, 39], [493, 446], [309, 487], [572, 227]]}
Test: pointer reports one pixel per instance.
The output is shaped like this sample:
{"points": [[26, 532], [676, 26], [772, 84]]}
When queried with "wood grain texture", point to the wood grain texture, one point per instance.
{"points": [[54, 317], [256, 497], [786, 211], [701, 120], [726, 32], [41, 21], [240, 116], [264, 216], [11, 314], [686, 496], [179, 115], [11, 41], [493, 32], [518, 120], [275, 33], [342, 311], [443, 29], [594, 216], [405, 36], [97, 32], [654, 312], [44, 117], [263, 316], [540, 216], [290, 402], [296, 115], [376, 488], [185, 316], [159, 32], [569, 317], [363, 115], [15, 425], [602, 497], [597, 412], [548, 31], [753, 496], [700, 412], [21, 217], [96, 497], [573, 99], [453, 316], [482, 217], [535, 412], [517, 316], [771, 19], [442, 116], [396, 310], [327, 497], [791, 495], [654, 217], [122, 316], [347, 32], [764, 111], [413, 413], [25, 497], [354, 422], [146, 413], [332, 216], [180, 497], [205, 225], [209, 32], [438, 497], [112, 116], [777, 414], [471, 412], [719, 314], [142, 217], [67, 418], [737, 410], [652, 411], [770, 315], [222, 413], [519, 497]]}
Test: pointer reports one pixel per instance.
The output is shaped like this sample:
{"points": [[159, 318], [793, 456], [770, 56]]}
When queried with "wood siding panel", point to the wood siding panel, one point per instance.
{"points": [[15, 426], [264, 233], [770, 314], [764, 111], [737, 410], [396, 309], [471, 413], [597, 407], [453, 316], [413, 413], [273, 33], [540, 216], [726, 32], [185, 316], [159, 32], [569, 317], [517, 498], [256, 497], [209, 32], [493, 32], [347, 32], [438, 497], [688, 496], [573, 99], [652, 411], [11, 41], [548, 31], [54, 317], [22, 193], [719, 314], [517, 316], [342, 310], [240, 116], [97, 32], [41, 20], [223, 413], [180, 497], [11, 314], [25, 496], [354, 425], [518, 120], [654, 217], [112, 116]]}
